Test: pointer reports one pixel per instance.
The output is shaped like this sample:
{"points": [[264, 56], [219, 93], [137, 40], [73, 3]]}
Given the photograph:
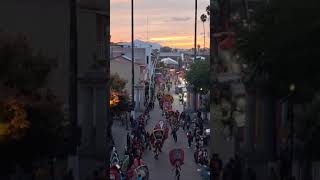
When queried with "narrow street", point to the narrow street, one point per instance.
{"points": [[161, 169]]}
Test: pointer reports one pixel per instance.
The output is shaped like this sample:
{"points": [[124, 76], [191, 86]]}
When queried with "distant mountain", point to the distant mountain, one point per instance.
{"points": [[139, 43]]}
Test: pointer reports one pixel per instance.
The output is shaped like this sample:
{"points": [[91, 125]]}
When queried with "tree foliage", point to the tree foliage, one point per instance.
{"points": [[32, 124], [117, 85], [203, 18], [198, 75], [20, 66], [122, 106], [282, 46], [14, 122]]}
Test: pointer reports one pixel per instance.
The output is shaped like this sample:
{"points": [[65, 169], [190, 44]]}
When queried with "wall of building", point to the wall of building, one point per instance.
{"points": [[139, 54], [123, 68], [46, 25], [87, 48]]}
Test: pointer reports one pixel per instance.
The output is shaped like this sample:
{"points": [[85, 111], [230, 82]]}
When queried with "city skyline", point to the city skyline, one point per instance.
{"points": [[165, 26]]}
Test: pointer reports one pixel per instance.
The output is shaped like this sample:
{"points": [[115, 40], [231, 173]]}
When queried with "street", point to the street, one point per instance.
{"points": [[161, 168]]}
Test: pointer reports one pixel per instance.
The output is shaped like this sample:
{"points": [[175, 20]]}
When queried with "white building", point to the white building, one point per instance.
{"points": [[143, 53]]}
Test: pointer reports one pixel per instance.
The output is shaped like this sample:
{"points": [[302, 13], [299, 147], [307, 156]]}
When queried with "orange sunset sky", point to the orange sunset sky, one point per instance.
{"points": [[170, 22]]}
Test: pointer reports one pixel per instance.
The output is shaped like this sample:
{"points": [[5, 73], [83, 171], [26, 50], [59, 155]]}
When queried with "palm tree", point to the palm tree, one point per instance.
{"points": [[208, 10], [195, 29], [203, 18]]}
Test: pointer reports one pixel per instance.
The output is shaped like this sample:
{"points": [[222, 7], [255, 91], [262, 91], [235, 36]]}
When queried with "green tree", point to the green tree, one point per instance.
{"points": [[203, 18], [198, 75], [32, 124], [281, 47], [20, 66], [118, 84]]}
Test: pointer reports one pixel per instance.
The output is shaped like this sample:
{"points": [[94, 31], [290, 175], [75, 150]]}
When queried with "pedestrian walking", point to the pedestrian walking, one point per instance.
{"points": [[215, 166], [190, 138], [205, 173], [128, 140], [174, 135], [198, 114], [131, 121], [188, 119], [139, 177]]}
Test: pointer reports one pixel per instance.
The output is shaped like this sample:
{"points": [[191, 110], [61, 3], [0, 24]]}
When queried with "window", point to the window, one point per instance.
{"points": [[147, 59]]}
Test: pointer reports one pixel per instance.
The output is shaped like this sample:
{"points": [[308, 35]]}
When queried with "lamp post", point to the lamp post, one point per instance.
{"points": [[291, 121], [73, 67], [195, 30], [291, 118]]}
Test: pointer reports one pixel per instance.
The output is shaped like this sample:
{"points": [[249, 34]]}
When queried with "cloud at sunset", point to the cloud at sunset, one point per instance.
{"points": [[172, 38], [170, 22], [180, 19]]}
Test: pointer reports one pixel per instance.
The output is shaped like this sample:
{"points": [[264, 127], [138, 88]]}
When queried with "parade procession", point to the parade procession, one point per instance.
{"points": [[149, 141]]}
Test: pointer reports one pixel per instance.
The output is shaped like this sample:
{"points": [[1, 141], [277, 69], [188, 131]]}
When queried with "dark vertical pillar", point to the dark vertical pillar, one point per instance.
{"points": [[132, 53], [73, 65]]}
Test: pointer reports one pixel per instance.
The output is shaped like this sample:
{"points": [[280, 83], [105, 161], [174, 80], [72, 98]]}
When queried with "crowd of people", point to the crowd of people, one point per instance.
{"points": [[139, 141]]}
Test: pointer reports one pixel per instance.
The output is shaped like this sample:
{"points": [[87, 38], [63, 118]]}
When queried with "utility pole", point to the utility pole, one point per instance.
{"points": [[204, 38], [73, 64], [291, 119], [132, 56], [195, 49], [195, 30]]}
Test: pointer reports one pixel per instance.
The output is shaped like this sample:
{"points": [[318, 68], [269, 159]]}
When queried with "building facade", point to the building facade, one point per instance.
{"points": [[46, 24], [122, 66]]}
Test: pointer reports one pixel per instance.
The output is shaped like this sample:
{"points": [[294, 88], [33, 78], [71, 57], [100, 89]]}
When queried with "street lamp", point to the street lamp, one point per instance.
{"points": [[288, 98], [292, 87], [291, 118]]}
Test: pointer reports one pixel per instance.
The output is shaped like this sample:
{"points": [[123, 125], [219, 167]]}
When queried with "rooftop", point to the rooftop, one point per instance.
{"points": [[170, 54]]}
